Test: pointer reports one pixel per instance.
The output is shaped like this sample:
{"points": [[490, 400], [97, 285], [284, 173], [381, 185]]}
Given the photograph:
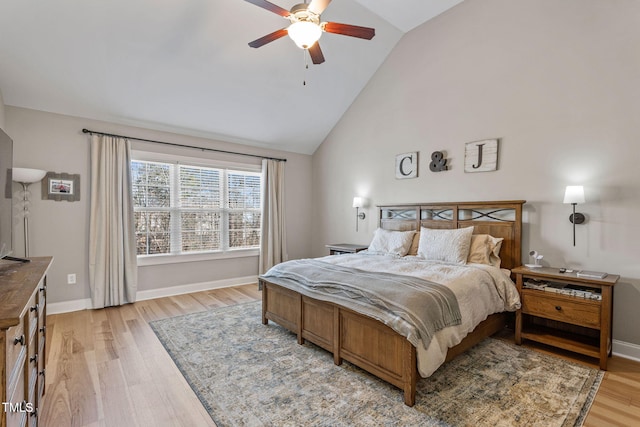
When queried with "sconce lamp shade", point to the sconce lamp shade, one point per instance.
{"points": [[574, 194], [358, 202], [28, 176]]}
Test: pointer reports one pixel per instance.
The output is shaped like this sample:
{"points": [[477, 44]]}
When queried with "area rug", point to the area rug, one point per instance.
{"points": [[249, 374]]}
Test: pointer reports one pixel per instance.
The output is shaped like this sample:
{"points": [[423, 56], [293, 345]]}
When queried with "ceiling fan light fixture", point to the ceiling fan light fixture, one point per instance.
{"points": [[304, 33]]}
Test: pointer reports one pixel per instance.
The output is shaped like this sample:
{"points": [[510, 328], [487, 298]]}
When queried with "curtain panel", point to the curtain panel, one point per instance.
{"points": [[273, 240], [113, 274]]}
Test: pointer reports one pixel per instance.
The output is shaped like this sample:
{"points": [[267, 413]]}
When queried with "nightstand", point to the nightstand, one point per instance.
{"points": [[565, 311], [345, 248]]}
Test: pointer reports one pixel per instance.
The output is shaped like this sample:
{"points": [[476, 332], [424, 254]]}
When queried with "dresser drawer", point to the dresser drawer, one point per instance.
{"points": [[41, 298], [583, 313], [33, 310], [16, 411], [16, 353]]}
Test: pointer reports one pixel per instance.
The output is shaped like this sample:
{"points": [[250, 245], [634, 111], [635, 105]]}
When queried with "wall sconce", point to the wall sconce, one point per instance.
{"points": [[358, 202], [574, 194]]}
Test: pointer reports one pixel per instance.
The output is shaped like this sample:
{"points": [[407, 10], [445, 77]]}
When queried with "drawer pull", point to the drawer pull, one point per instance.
{"points": [[558, 308], [42, 289], [34, 359], [19, 340], [34, 308], [43, 330], [42, 373]]}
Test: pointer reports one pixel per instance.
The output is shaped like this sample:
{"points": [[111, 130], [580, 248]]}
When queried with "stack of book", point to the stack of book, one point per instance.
{"points": [[564, 289], [591, 274]]}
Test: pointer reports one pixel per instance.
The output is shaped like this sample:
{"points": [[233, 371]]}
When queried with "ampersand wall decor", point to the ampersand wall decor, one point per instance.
{"points": [[438, 162]]}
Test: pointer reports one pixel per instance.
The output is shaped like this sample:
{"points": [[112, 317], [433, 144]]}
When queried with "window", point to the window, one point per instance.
{"points": [[183, 209]]}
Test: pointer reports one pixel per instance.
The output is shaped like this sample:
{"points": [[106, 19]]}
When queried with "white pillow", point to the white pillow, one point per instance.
{"points": [[448, 245], [391, 242]]}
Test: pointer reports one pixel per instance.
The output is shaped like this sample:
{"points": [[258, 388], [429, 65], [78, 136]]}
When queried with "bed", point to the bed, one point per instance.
{"points": [[369, 340]]}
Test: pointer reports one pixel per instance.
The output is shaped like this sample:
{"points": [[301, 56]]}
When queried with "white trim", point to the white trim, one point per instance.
{"points": [[177, 159], [85, 304], [68, 306], [145, 260], [195, 287], [627, 350]]}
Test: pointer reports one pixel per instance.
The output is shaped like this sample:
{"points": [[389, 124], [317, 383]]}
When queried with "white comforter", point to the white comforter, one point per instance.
{"points": [[481, 290]]}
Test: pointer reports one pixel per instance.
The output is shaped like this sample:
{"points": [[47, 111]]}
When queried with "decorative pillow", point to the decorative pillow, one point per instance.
{"points": [[448, 245], [485, 249], [391, 242], [413, 250]]}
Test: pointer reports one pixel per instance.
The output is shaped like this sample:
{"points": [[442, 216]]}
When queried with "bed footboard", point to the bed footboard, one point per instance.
{"points": [[361, 340]]}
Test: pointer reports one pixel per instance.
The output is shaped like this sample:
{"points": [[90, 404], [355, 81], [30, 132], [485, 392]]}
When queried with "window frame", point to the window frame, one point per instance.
{"points": [[176, 159]]}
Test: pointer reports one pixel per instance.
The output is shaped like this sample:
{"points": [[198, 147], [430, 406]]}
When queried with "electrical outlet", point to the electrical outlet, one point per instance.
{"points": [[71, 279]]}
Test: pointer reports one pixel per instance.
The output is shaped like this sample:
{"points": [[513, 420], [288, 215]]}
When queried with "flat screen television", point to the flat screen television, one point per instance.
{"points": [[6, 197]]}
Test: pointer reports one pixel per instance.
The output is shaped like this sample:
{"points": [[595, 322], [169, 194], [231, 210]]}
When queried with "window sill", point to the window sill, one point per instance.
{"points": [[146, 260]]}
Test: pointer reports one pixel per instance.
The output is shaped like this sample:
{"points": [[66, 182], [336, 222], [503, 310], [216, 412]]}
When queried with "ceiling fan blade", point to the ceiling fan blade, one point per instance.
{"points": [[316, 53], [349, 30], [269, 38], [318, 6], [270, 7]]}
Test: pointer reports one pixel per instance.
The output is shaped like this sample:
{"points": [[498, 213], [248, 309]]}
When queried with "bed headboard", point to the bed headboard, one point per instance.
{"points": [[499, 219]]}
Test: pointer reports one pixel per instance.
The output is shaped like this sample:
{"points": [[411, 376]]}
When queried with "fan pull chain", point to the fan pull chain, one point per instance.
{"points": [[306, 67]]}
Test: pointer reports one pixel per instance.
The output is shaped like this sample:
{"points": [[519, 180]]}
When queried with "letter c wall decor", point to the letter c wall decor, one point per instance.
{"points": [[407, 165]]}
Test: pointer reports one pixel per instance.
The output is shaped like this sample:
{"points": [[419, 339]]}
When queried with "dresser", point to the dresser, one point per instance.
{"points": [[23, 314]]}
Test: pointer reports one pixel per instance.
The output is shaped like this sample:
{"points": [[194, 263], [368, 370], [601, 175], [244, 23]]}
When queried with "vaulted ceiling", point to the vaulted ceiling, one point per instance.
{"points": [[184, 65]]}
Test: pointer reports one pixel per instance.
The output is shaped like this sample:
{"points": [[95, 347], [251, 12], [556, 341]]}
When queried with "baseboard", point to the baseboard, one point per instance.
{"points": [[85, 304], [195, 287], [620, 348], [627, 350], [68, 306]]}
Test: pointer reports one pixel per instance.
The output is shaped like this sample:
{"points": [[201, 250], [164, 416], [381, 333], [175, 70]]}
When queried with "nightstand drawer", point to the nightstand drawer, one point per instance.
{"points": [[583, 313]]}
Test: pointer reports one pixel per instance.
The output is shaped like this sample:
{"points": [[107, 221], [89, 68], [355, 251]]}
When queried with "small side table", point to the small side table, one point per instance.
{"points": [[555, 309], [345, 248]]}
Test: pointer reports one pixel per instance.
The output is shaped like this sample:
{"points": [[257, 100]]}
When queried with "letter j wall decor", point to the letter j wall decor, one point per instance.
{"points": [[481, 156]]}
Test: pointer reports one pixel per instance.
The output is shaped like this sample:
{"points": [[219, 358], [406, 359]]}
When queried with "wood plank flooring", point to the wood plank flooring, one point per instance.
{"points": [[107, 368]]}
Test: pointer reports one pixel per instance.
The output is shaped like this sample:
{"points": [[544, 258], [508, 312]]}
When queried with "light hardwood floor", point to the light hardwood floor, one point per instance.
{"points": [[107, 368]]}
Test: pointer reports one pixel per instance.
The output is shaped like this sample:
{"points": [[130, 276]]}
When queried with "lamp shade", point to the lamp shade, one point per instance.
{"points": [[28, 176], [574, 194], [304, 33], [358, 202]]}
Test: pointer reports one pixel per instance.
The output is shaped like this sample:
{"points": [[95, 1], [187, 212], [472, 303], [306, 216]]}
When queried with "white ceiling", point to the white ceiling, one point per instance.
{"points": [[184, 65]]}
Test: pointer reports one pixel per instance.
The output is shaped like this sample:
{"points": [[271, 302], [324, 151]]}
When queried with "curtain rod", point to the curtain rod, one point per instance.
{"points": [[183, 146]]}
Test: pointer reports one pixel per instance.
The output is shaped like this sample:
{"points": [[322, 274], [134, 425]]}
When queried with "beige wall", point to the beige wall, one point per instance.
{"points": [[557, 82], [56, 143]]}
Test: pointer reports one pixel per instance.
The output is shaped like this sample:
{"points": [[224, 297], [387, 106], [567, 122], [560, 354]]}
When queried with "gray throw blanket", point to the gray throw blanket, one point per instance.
{"points": [[413, 307]]}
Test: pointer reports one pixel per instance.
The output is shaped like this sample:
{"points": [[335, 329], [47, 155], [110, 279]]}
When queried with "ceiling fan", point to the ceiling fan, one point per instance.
{"points": [[306, 28]]}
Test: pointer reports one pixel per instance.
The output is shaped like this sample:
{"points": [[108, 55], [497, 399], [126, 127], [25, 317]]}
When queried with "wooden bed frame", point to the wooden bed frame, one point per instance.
{"points": [[370, 344]]}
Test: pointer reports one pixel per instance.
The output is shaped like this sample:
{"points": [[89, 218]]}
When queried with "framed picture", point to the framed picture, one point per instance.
{"points": [[61, 186]]}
